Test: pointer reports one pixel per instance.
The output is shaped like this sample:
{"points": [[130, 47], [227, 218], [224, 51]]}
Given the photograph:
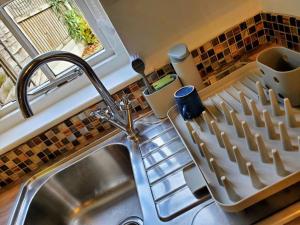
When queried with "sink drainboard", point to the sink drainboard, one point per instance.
{"points": [[164, 157]]}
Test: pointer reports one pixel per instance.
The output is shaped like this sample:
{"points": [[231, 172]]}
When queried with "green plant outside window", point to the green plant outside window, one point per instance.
{"points": [[78, 28]]}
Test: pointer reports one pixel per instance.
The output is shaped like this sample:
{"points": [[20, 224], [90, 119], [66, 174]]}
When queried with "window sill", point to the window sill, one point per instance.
{"points": [[63, 109]]}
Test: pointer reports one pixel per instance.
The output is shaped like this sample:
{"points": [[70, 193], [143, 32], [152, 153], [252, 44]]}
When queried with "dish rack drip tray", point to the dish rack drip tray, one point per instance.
{"points": [[246, 144]]}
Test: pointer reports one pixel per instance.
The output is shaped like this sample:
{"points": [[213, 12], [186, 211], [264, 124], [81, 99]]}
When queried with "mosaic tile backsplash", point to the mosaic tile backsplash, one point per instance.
{"points": [[211, 58]]}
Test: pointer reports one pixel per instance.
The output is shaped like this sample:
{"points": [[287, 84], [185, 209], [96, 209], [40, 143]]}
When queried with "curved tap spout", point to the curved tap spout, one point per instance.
{"points": [[31, 67], [120, 117]]}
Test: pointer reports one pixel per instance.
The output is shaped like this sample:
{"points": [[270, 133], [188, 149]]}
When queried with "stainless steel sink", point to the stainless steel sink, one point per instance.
{"points": [[98, 189]]}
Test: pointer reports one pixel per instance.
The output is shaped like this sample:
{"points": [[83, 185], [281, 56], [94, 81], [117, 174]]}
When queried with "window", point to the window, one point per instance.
{"points": [[31, 27]]}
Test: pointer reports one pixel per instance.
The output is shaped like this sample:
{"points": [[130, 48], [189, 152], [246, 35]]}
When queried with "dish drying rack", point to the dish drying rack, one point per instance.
{"points": [[246, 144]]}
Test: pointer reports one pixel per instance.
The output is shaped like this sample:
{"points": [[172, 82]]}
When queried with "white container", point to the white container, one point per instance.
{"points": [[162, 100], [184, 66], [281, 69]]}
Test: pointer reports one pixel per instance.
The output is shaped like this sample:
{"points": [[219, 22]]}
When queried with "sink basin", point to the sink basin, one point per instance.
{"points": [[98, 189]]}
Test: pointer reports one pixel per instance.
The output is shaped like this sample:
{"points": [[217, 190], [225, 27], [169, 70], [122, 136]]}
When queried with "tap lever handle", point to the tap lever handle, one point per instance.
{"points": [[124, 103], [125, 100], [102, 113]]}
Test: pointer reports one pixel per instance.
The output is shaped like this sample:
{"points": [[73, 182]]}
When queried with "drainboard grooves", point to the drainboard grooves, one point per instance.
{"points": [[150, 139], [156, 149], [165, 151], [174, 171], [158, 141], [168, 185], [164, 156], [153, 131], [166, 167], [170, 194]]}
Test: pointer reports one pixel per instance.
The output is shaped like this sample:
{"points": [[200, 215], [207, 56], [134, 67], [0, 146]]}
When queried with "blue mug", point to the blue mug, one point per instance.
{"points": [[188, 102]]}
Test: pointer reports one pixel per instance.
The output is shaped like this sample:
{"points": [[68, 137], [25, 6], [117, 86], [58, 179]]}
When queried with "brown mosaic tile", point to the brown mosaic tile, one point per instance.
{"points": [[4, 159], [248, 35]]}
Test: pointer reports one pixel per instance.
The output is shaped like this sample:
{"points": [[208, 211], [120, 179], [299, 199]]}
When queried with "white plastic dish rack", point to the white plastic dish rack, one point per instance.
{"points": [[246, 144]]}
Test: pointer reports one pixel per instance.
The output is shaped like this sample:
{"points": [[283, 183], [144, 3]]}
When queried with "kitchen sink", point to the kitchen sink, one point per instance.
{"points": [[114, 181], [98, 189]]}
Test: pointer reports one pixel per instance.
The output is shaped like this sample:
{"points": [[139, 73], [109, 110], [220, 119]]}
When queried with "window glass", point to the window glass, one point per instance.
{"points": [[46, 25], [54, 25], [12, 58]]}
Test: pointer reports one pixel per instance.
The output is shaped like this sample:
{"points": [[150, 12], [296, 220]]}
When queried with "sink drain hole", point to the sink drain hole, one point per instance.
{"points": [[133, 221]]}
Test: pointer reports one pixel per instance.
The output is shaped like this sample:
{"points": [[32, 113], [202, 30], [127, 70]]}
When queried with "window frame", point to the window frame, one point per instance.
{"points": [[112, 57]]}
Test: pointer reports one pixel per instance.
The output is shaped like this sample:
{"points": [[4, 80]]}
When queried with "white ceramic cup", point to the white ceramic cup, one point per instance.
{"points": [[163, 99]]}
